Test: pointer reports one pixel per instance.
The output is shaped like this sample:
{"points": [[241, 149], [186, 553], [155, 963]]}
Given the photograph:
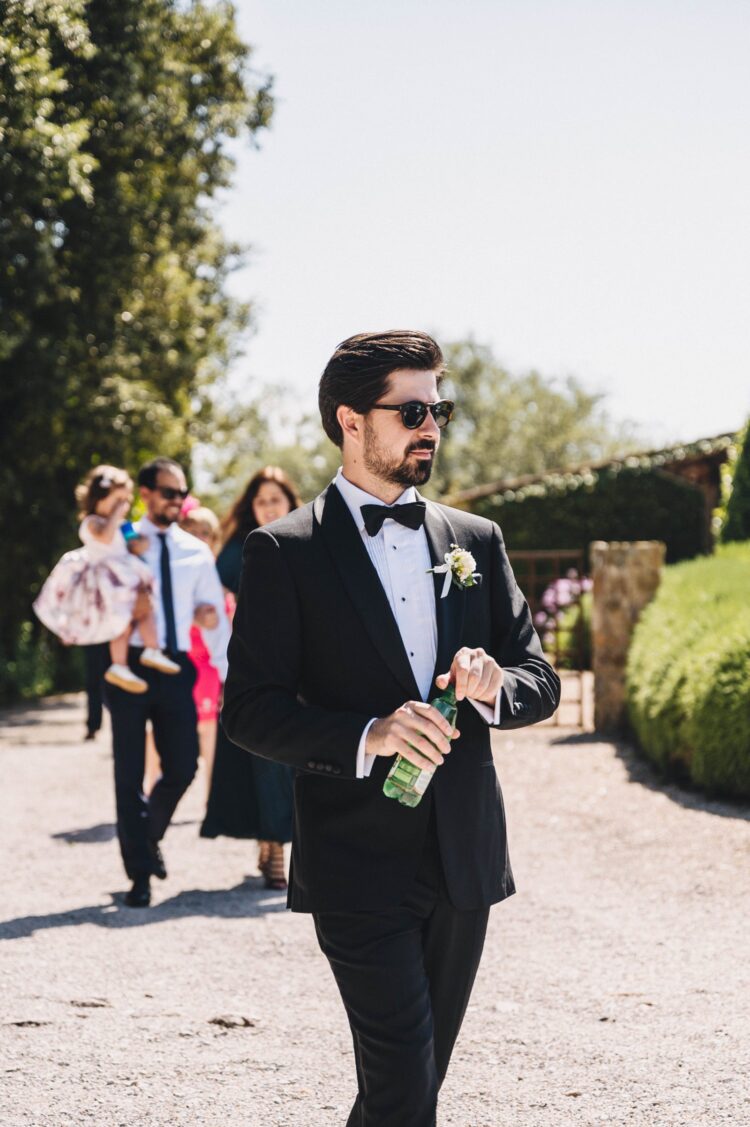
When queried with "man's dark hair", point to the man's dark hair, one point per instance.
{"points": [[148, 474], [357, 373]]}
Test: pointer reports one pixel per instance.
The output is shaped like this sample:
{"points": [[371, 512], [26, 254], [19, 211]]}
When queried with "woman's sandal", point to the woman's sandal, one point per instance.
{"points": [[271, 865]]}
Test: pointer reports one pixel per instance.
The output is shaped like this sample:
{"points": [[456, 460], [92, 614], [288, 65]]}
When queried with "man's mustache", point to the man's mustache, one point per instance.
{"points": [[422, 446]]}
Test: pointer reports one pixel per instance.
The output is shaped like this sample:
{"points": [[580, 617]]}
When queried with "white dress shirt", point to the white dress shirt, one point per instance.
{"points": [[195, 580], [401, 557]]}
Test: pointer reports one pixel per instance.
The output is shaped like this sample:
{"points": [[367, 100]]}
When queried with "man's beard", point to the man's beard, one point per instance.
{"points": [[164, 520], [407, 471]]}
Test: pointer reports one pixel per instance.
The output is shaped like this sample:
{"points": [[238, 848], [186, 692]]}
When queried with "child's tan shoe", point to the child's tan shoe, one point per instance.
{"points": [[126, 679], [155, 659]]}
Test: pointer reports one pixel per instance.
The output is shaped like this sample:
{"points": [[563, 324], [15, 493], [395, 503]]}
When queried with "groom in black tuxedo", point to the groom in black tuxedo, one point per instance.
{"points": [[341, 635]]}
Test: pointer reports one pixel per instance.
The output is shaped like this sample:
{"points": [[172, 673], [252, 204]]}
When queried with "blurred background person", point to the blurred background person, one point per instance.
{"points": [[252, 797], [202, 523], [185, 579], [102, 591]]}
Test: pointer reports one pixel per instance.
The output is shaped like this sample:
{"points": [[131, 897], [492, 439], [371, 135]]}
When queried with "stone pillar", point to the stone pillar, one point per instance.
{"points": [[626, 576]]}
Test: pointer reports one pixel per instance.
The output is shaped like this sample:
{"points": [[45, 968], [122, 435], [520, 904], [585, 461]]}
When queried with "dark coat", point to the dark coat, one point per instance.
{"points": [[316, 653]]}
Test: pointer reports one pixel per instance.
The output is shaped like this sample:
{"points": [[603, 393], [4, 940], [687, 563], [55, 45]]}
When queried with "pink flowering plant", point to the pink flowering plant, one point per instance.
{"points": [[557, 620]]}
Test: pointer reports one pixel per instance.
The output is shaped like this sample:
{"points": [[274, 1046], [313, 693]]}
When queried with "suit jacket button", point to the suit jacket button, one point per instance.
{"points": [[312, 764], [337, 770], [329, 766]]}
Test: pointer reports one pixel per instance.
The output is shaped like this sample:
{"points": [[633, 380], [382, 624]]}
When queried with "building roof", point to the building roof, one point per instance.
{"points": [[587, 473]]}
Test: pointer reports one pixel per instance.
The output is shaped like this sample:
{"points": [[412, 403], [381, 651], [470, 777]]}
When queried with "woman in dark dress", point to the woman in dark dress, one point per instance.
{"points": [[251, 797]]}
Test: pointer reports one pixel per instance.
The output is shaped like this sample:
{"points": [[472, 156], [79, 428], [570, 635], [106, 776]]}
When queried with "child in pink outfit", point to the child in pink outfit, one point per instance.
{"points": [[97, 593]]}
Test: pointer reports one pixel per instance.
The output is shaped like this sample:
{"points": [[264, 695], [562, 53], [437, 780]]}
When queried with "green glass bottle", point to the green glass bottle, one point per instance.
{"points": [[406, 782]]}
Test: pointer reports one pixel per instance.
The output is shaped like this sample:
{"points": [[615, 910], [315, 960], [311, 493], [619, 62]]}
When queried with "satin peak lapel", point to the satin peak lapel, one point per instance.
{"points": [[450, 610], [363, 586]]}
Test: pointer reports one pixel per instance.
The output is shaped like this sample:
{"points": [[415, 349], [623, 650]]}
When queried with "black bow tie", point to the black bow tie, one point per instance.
{"points": [[410, 514]]}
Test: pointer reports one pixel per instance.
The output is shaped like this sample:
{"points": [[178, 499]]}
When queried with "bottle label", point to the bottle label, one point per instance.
{"points": [[422, 781]]}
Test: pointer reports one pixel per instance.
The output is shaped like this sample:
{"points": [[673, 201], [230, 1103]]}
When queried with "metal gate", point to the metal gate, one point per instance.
{"points": [[554, 583]]}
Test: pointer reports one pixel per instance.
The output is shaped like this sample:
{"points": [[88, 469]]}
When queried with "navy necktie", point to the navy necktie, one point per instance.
{"points": [[411, 514], [166, 596]]}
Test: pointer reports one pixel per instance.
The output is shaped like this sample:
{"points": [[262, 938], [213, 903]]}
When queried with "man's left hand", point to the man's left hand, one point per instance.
{"points": [[475, 675]]}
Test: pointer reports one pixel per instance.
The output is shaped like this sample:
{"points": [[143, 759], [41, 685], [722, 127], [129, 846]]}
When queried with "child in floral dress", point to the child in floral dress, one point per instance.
{"points": [[99, 592]]}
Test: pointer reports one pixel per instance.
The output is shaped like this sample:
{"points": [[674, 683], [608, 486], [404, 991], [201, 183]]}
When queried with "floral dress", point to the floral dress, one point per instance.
{"points": [[90, 594]]}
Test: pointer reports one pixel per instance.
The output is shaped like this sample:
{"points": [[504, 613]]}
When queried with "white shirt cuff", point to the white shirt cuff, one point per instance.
{"points": [[364, 761], [490, 715]]}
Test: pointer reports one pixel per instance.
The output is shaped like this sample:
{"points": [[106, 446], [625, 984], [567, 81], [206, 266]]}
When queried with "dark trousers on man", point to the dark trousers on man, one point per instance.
{"points": [[169, 706], [96, 659], [405, 976]]}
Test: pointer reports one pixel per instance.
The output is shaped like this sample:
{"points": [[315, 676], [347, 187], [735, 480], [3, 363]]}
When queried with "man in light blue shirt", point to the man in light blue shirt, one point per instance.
{"points": [[186, 584]]}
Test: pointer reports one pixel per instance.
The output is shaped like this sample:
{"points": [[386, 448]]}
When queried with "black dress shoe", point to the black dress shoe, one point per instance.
{"points": [[158, 868], [140, 894]]}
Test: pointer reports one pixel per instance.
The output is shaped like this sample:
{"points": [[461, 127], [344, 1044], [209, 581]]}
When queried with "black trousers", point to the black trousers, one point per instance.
{"points": [[96, 659], [405, 976], [169, 706]]}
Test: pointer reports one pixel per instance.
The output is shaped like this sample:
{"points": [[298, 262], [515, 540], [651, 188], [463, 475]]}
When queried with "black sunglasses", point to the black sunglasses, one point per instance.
{"points": [[170, 494], [414, 413]]}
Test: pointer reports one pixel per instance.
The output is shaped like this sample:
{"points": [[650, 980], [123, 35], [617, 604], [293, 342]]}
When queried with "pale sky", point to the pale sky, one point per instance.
{"points": [[567, 181]]}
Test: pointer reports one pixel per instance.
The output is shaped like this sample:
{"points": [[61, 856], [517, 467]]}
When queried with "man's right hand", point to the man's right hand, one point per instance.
{"points": [[205, 616], [415, 730], [138, 545]]}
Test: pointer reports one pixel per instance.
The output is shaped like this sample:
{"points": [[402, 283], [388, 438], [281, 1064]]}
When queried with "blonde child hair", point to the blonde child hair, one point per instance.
{"points": [[204, 523]]}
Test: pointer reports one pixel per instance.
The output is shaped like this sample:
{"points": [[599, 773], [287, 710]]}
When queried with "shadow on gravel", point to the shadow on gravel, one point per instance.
{"points": [[642, 772], [104, 831], [91, 835], [247, 900], [37, 712]]}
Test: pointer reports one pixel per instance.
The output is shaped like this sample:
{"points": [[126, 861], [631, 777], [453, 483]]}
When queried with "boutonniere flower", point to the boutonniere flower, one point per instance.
{"points": [[458, 568]]}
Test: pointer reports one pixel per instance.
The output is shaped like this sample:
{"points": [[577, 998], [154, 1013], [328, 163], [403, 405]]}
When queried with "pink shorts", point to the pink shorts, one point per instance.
{"points": [[207, 684], [206, 693]]}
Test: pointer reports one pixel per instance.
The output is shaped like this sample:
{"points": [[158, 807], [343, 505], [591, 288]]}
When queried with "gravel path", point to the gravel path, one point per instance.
{"points": [[614, 987]]}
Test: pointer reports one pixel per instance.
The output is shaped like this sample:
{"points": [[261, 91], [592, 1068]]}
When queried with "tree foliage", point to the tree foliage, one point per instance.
{"points": [[266, 428], [114, 315], [507, 425], [736, 525]]}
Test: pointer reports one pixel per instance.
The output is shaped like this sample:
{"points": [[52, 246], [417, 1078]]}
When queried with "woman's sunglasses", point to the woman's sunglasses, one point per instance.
{"points": [[170, 494], [414, 413]]}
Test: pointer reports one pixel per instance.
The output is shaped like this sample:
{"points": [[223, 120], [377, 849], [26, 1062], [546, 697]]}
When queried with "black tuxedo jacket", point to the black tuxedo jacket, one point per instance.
{"points": [[316, 653]]}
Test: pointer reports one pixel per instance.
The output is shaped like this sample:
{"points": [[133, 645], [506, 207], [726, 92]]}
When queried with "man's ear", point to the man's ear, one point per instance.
{"points": [[351, 422]]}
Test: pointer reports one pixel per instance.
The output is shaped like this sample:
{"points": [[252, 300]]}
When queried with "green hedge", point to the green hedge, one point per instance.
{"points": [[39, 665], [688, 673], [627, 504]]}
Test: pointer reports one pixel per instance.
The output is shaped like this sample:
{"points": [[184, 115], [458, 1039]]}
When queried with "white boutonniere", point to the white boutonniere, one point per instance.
{"points": [[458, 568]]}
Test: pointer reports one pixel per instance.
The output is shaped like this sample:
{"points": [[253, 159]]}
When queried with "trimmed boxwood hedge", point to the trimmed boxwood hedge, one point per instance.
{"points": [[688, 676], [619, 504]]}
